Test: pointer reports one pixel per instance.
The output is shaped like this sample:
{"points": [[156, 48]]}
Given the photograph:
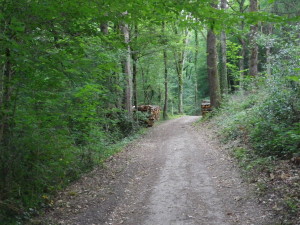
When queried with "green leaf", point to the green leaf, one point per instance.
{"points": [[17, 25], [294, 78]]}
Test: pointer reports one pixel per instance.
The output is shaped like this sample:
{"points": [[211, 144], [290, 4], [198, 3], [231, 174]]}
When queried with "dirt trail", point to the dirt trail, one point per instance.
{"points": [[174, 175]]}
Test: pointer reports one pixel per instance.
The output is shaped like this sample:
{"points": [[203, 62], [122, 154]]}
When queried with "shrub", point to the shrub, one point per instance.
{"points": [[267, 120]]}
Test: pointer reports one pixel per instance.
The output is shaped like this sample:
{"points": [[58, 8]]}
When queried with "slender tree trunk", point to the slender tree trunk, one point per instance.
{"points": [[116, 78], [243, 50], [253, 60], [134, 79], [183, 55], [179, 61], [180, 88], [134, 70], [242, 62], [224, 76], [268, 49], [179, 70], [212, 67], [104, 28], [127, 71], [196, 68], [144, 84], [5, 106], [165, 111]]}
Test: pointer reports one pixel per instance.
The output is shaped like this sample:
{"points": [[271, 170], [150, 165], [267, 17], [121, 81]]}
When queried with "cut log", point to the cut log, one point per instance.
{"points": [[205, 107], [153, 112]]}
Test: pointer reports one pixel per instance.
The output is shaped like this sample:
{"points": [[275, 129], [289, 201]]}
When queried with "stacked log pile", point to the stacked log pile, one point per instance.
{"points": [[205, 107], [153, 112]]}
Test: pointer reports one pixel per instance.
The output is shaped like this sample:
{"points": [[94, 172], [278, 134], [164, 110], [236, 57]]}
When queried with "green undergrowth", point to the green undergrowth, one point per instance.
{"points": [[266, 121], [118, 147], [249, 161], [43, 161], [264, 125]]}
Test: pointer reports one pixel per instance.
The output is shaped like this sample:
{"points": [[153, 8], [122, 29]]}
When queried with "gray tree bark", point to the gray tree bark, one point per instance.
{"points": [[212, 69], [104, 28], [134, 70], [179, 62], [224, 75], [196, 68], [127, 70], [165, 110], [5, 101], [183, 55], [242, 62], [242, 9], [268, 49], [253, 59]]}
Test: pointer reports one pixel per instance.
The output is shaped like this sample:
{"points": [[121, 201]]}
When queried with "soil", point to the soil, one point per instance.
{"points": [[176, 174]]}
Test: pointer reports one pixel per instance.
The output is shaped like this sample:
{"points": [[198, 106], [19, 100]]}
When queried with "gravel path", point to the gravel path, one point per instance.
{"points": [[174, 175]]}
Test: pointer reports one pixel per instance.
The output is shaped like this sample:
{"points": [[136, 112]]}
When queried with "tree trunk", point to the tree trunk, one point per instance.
{"points": [[224, 76], [268, 49], [179, 61], [165, 111], [214, 83], [243, 50], [242, 62], [180, 91], [196, 68], [5, 106], [104, 28], [127, 71], [134, 70], [183, 55], [253, 60], [179, 70], [134, 79], [144, 81]]}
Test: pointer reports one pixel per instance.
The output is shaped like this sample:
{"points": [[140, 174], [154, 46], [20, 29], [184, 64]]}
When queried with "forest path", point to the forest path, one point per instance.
{"points": [[174, 175]]}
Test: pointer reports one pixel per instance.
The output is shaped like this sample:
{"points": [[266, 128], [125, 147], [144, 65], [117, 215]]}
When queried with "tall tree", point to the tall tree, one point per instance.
{"points": [[212, 65], [179, 63], [104, 27], [196, 68], [165, 110], [253, 58], [224, 76], [6, 99], [134, 68], [269, 31], [241, 8], [127, 70]]}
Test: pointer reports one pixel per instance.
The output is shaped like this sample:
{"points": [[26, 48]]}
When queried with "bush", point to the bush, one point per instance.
{"points": [[267, 120], [48, 151]]}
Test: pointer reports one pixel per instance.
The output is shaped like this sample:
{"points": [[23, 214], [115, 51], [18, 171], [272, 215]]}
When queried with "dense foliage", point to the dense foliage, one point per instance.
{"points": [[71, 68], [55, 93], [268, 117], [262, 115], [62, 89]]}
